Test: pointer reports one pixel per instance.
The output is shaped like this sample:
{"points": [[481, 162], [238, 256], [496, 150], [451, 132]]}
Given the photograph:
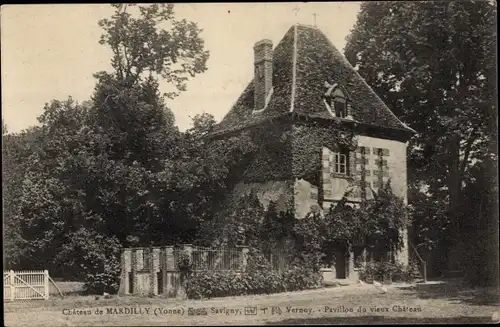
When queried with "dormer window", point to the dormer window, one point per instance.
{"points": [[337, 101]]}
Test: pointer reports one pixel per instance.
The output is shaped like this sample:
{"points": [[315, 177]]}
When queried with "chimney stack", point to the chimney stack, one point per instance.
{"points": [[263, 78]]}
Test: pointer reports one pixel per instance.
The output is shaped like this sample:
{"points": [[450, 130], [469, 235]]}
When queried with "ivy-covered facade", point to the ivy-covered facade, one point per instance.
{"points": [[322, 133]]}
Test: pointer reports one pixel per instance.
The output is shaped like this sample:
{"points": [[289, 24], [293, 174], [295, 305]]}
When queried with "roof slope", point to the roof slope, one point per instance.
{"points": [[302, 62]]}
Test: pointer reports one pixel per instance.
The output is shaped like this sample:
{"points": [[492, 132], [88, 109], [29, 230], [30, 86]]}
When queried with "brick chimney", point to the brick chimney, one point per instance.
{"points": [[263, 68]]}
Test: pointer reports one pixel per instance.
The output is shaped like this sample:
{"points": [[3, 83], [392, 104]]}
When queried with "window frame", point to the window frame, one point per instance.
{"points": [[338, 163]]}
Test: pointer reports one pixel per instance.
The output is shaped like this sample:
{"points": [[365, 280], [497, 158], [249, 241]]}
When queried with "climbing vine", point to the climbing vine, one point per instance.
{"points": [[284, 151], [273, 156], [378, 221], [308, 142]]}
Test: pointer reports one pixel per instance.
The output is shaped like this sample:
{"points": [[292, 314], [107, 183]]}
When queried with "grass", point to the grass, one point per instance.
{"points": [[67, 288]]}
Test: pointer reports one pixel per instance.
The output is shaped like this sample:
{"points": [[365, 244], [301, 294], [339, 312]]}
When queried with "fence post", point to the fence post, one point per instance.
{"points": [[12, 286], [133, 271], [169, 269], [244, 257], [188, 248], [123, 273], [127, 270], [425, 272], [154, 266], [46, 283]]}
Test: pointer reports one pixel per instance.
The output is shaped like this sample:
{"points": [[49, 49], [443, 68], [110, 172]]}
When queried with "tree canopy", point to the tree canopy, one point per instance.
{"points": [[433, 63]]}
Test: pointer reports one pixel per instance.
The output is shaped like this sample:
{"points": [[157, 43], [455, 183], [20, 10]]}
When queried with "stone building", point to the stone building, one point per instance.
{"points": [[320, 128]]}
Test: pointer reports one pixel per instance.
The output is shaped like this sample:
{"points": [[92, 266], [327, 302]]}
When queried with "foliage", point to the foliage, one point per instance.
{"points": [[384, 218], [242, 225], [184, 262], [343, 224], [140, 46], [276, 229], [307, 145], [115, 166], [305, 242], [15, 151], [375, 221], [96, 258], [206, 167], [254, 280], [272, 154], [433, 63], [382, 271], [480, 234], [308, 234]]}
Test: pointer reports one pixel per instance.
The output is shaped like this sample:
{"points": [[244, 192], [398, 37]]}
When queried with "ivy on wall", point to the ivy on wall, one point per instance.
{"points": [[273, 156], [286, 150], [378, 221], [308, 142]]}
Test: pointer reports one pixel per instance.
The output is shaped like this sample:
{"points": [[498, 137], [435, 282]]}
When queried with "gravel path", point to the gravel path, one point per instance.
{"points": [[353, 304]]}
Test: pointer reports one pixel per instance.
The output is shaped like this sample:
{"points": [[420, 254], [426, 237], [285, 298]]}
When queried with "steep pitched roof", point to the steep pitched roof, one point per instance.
{"points": [[302, 62]]}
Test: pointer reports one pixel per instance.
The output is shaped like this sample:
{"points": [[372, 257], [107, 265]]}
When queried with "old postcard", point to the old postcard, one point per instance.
{"points": [[250, 163]]}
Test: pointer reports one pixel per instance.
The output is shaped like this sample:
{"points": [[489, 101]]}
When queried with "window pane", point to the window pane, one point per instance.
{"points": [[339, 108]]}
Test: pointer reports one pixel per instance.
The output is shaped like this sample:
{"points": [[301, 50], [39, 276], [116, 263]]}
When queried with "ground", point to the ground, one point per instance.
{"points": [[430, 303]]}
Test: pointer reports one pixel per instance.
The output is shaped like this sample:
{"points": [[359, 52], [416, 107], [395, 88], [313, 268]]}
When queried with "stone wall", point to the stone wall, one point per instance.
{"points": [[154, 271], [305, 198]]}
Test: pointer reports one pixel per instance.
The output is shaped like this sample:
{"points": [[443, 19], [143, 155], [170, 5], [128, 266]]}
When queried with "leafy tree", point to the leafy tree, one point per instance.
{"points": [[479, 225], [135, 120], [433, 63], [15, 152], [140, 46], [109, 168]]}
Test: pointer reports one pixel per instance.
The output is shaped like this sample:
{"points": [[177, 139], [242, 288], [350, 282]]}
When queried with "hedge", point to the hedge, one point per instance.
{"points": [[396, 272], [231, 283]]}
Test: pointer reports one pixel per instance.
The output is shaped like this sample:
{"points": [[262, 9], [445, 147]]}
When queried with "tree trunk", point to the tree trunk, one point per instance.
{"points": [[454, 191]]}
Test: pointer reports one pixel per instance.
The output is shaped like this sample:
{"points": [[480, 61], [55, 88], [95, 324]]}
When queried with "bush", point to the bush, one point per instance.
{"points": [[258, 278], [184, 262], [230, 283], [308, 235], [95, 257], [395, 272]]}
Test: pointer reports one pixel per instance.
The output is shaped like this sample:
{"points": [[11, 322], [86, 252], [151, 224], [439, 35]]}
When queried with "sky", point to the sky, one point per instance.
{"points": [[51, 52]]}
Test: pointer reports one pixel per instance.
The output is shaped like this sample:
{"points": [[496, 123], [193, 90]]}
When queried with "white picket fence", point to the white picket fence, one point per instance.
{"points": [[26, 285]]}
